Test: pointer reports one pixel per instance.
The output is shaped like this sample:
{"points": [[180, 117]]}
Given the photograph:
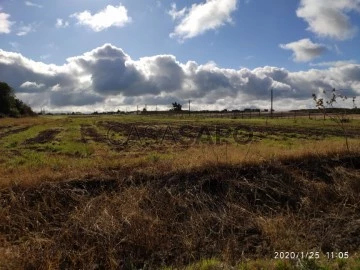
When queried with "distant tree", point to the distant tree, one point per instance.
{"points": [[144, 110], [10, 105], [177, 107], [23, 108], [6, 98]]}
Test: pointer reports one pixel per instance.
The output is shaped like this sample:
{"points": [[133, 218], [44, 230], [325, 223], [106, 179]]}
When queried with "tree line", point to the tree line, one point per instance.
{"points": [[10, 105]]}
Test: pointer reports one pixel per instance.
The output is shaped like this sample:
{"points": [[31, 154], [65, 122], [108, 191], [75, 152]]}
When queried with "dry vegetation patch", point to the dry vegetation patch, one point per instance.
{"points": [[152, 220]]}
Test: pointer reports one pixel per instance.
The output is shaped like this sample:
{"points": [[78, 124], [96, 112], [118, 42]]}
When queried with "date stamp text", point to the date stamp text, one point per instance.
{"points": [[311, 255]]}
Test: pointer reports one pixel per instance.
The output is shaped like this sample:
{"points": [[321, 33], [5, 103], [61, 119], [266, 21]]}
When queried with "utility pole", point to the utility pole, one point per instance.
{"points": [[189, 106], [137, 109], [272, 97]]}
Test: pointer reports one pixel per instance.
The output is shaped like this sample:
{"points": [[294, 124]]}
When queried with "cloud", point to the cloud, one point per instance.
{"points": [[44, 82], [176, 14], [26, 29], [304, 50], [163, 72], [5, 24], [329, 18], [107, 78], [60, 23], [200, 18], [31, 86], [337, 49], [82, 98], [111, 16], [333, 63], [31, 4], [45, 56], [112, 72]]}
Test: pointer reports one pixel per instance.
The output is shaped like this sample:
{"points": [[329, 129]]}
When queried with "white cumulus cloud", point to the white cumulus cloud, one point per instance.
{"points": [[116, 16], [35, 85], [202, 17], [107, 78], [329, 18], [304, 50], [5, 23]]}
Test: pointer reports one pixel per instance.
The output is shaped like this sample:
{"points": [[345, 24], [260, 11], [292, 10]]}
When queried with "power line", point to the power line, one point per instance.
{"points": [[272, 97]]}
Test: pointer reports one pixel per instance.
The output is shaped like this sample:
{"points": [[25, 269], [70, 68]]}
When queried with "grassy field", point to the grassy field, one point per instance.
{"points": [[153, 192]]}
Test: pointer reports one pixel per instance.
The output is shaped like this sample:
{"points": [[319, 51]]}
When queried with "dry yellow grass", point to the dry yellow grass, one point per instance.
{"points": [[165, 218], [104, 162], [85, 204]]}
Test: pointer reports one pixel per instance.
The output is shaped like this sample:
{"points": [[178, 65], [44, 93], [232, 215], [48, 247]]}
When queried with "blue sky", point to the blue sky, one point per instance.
{"points": [[221, 53]]}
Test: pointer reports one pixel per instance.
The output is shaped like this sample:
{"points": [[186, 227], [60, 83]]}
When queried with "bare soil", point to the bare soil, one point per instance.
{"points": [[44, 136], [13, 131], [88, 131]]}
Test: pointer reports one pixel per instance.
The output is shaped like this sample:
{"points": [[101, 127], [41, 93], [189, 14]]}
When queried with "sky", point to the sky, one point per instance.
{"points": [[105, 55]]}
